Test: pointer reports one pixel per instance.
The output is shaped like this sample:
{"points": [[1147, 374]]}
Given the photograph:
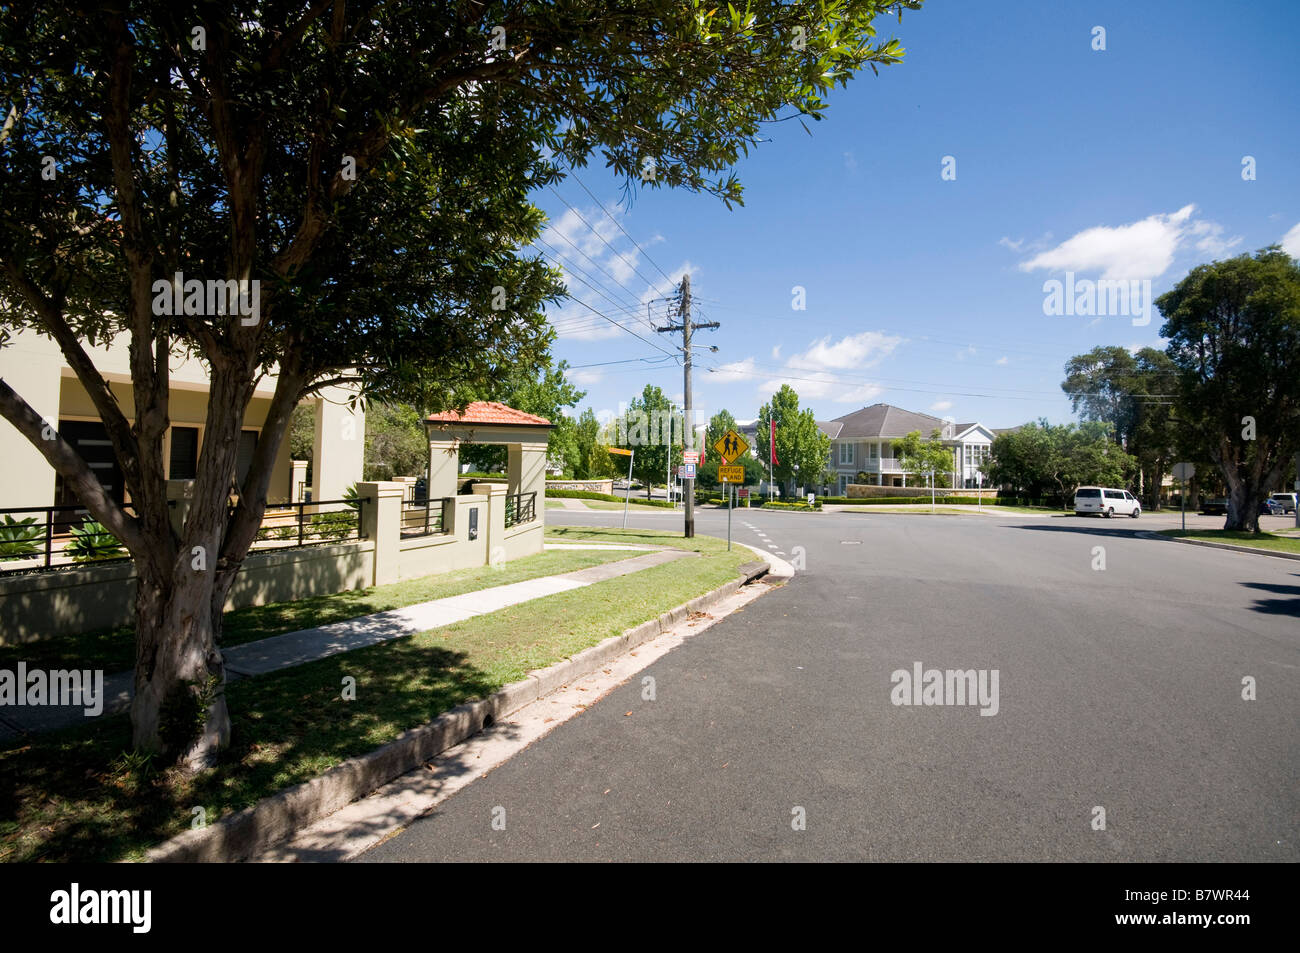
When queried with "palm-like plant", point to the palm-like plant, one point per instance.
{"points": [[90, 541]]}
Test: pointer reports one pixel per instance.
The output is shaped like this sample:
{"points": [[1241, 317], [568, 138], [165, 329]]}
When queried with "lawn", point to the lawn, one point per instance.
{"points": [[77, 796], [114, 650], [1284, 544]]}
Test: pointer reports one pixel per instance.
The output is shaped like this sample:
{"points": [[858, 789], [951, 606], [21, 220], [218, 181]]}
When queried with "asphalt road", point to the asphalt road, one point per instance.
{"points": [[1118, 688]]}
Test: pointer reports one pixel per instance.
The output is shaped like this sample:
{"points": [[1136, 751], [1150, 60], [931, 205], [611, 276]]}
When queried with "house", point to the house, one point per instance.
{"points": [[863, 442], [34, 366]]}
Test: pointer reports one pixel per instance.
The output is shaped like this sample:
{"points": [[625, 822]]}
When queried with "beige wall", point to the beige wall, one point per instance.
{"points": [[69, 601], [35, 368]]}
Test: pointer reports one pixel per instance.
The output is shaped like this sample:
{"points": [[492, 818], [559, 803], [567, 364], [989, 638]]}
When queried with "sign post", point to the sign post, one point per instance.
{"points": [[729, 476], [631, 455], [979, 491], [1182, 473]]}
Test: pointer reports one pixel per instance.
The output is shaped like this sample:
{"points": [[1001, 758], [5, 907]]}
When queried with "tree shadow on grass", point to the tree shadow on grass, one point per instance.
{"points": [[62, 799]]}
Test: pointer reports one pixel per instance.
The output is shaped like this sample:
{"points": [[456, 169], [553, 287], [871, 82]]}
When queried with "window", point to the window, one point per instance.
{"points": [[846, 454], [184, 456], [875, 451]]}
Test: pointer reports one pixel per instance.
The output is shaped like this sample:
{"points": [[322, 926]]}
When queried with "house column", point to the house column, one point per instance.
{"points": [[338, 451]]}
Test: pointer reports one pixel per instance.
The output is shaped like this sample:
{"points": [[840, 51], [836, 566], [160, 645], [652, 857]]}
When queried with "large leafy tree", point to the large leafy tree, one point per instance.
{"points": [[801, 448], [652, 428], [370, 166], [1133, 393], [1234, 336], [593, 461]]}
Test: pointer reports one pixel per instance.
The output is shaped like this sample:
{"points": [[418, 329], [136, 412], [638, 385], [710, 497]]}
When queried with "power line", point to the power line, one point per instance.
{"points": [[667, 276], [648, 282]]}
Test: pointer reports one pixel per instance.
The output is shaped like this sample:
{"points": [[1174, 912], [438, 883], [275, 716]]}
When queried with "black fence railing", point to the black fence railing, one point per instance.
{"points": [[521, 508], [310, 524], [424, 519], [43, 537]]}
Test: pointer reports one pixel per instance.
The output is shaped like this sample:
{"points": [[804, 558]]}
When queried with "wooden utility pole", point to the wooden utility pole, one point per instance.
{"points": [[688, 436]]}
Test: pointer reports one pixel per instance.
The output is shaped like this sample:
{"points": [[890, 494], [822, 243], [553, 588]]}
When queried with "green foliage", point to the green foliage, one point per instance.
{"points": [[922, 456], [653, 429], [592, 457], [91, 541], [396, 442], [19, 538], [544, 391], [325, 526], [801, 448], [1234, 338], [1042, 458], [608, 497], [707, 472]]}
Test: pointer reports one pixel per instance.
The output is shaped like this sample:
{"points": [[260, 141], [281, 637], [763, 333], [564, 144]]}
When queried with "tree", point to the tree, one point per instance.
{"points": [[650, 428], [593, 461], [925, 456], [369, 168], [801, 448], [1133, 394], [718, 426], [1059, 457], [397, 443], [1234, 336]]}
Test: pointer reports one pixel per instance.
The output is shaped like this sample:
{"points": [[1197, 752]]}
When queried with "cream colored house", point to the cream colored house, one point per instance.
{"points": [[34, 366]]}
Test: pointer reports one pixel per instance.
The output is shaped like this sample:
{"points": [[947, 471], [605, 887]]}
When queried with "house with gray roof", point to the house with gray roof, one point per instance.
{"points": [[863, 442]]}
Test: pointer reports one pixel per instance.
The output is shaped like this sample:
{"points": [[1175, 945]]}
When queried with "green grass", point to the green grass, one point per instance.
{"points": [[114, 650], [1285, 544], [633, 505], [73, 796], [637, 537]]}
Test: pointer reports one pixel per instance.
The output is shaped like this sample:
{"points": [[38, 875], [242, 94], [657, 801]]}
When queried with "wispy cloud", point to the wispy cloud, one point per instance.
{"points": [[941, 405], [1002, 360], [1291, 241]]}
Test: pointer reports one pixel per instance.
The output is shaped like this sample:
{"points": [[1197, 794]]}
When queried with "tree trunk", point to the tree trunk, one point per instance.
{"points": [[179, 707]]}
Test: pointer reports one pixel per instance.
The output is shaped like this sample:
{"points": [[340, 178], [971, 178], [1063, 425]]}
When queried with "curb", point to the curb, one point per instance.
{"points": [[275, 818], [1252, 550]]}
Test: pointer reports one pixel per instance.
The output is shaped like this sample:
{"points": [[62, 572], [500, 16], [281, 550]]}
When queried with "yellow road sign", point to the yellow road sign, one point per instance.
{"points": [[731, 445], [620, 451], [731, 474]]}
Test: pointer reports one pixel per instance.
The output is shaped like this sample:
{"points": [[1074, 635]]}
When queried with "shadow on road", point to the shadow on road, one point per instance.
{"points": [[1277, 606]]}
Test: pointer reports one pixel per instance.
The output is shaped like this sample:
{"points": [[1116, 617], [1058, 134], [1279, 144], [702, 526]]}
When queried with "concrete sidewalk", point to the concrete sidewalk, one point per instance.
{"points": [[308, 645]]}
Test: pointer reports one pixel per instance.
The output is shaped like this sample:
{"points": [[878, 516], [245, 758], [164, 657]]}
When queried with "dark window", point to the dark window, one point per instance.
{"points": [[185, 453], [1089, 493]]}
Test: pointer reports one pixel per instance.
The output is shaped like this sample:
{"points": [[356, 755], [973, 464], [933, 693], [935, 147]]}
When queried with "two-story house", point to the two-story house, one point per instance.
{"points": [[863, 442]]}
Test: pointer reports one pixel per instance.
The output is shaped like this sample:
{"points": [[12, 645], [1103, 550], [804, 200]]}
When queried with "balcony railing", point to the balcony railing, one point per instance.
{"points": [[290, 524], [521, 508]]}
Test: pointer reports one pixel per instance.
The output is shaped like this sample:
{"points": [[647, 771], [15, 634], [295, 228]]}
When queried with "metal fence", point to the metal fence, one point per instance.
{"points": [[424, 519], [521, 508], [36, 538]]}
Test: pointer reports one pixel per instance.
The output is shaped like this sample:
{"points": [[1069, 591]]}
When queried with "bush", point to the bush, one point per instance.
{"points": [[91, 541], [19, 538], [778, 505]]}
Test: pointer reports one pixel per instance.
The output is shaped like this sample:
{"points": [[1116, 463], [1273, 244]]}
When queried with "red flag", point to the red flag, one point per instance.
{"points": [[771, 443]]}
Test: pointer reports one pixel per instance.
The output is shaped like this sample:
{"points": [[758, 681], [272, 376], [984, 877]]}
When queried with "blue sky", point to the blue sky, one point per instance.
{"points": [[926, 293]]}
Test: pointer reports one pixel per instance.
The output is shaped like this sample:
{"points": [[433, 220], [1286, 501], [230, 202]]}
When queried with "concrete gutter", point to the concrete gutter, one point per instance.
{"points": [[1253, 550], [254, 829]]}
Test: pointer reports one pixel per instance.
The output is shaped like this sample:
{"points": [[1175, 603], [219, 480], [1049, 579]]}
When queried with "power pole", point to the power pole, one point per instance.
{"points": [[688, 437]]}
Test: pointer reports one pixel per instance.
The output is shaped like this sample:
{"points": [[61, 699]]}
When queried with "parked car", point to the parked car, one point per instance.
{"points": [[1214, 506], [1271, 507], [1288, 501], [1106, 501]]}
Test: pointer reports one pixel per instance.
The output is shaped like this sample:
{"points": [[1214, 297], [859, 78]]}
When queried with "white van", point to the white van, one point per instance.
{"points": [[1107, 501], [1288, 501]]}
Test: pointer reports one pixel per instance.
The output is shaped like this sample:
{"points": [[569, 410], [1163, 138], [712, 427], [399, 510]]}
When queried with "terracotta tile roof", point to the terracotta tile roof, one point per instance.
{"points": [[490, 412]]}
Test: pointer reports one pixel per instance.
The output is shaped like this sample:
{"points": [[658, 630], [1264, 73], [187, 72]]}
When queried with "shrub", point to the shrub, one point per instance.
{"points": [[19, 538], [91, 541], [608, 497]]}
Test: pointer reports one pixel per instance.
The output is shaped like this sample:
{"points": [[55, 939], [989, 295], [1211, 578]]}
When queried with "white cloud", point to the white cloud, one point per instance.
{"points": [[1291, 241], [859, 395], [586, 377], [848, 353], [941, 405], [850, 162], [734, 371], [1008, 243], [776, 353], [1002, 360], [1142, 249]]}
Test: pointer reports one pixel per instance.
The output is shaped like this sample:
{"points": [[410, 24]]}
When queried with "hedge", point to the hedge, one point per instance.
{"points": [[608, 497]]}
